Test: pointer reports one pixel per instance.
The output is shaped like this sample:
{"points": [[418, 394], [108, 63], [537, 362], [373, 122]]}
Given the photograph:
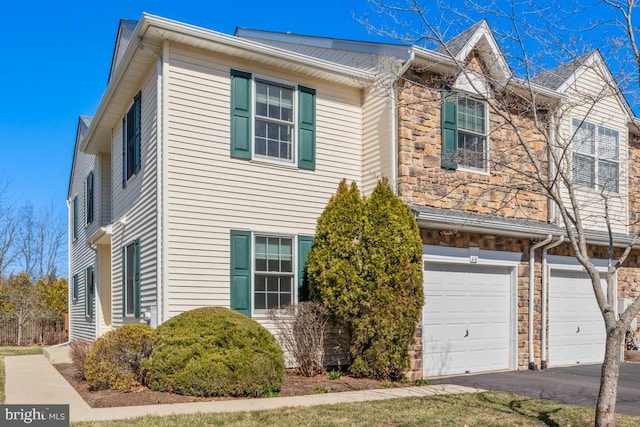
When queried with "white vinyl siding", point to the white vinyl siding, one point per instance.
{"points": [[377, 139], [208, 193], [608, 113], [81, 255], [134, 208]]}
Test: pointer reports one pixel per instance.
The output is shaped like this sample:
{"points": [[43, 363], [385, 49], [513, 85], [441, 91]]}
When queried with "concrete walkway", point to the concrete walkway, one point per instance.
{"points": [[33, 380]]}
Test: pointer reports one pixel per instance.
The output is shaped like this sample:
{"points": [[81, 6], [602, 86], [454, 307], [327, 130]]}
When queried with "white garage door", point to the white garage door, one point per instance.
{"points": [[576, 327], [466, 326]]}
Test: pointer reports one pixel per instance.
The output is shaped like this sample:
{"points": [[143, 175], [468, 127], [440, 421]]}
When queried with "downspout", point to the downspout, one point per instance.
{"points": [[532, 259], [159, 171], [543, 346], [394, 124], [551, 207]]}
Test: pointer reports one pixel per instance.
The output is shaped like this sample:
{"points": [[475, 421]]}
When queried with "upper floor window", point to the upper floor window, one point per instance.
{"points": [[273, 124], [272, 121], [131, 135], [596, 157], [89, 185], [464, 132]]}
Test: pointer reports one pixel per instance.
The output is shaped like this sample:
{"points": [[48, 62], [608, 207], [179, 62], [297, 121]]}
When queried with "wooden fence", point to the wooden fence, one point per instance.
{"points": [[36, 332]]}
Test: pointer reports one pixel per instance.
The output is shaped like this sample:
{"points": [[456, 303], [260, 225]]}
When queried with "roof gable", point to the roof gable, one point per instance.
{"points": [[83, 127], [480, 38], [564, 76], [125, 32]]}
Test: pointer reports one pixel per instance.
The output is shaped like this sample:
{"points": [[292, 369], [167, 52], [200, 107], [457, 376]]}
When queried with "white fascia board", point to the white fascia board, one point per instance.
{"points": [[210, 36], [116, 78]]}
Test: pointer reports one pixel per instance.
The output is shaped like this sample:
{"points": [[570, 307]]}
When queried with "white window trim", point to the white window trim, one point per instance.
{"points": [[596, 157], [294, 266], [294, 137], [486, 171]]}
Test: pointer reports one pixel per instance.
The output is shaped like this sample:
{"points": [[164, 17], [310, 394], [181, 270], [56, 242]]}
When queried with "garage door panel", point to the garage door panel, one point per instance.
{"points": [[576, 327], [466, 319]]}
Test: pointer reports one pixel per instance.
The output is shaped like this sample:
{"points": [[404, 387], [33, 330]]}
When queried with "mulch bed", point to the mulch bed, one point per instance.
{"points": [[294, 385]]}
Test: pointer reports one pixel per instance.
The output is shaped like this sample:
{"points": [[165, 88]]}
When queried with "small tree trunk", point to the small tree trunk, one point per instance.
{"points": [[606, 406]]}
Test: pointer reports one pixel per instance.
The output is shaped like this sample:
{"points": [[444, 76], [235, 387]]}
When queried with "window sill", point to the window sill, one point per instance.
{"points": [[476, 171], [275, 163]]}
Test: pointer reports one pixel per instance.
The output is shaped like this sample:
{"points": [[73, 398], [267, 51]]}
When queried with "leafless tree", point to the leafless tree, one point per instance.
{"points": [[40, 241], [546, 160]]}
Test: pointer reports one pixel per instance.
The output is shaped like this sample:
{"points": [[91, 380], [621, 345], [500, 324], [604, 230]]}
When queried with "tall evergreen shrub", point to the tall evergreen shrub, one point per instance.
{"points": [[366, 268]]}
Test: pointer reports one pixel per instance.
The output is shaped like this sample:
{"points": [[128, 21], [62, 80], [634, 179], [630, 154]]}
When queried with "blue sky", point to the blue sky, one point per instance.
{"points": [[56, 58]]}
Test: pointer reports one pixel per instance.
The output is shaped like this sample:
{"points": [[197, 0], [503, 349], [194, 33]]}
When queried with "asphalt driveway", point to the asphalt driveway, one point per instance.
{"points": [[575, 385]]}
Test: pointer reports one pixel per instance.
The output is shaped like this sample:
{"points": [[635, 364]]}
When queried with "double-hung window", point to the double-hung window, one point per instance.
{"points": [[273, 278], [267, 271], [272, 121], [596, 156], [131, 140], [464, 132], [131, 279], [89, 186], [90, 291]]}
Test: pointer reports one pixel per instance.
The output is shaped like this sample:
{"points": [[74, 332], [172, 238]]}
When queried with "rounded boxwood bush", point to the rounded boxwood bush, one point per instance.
{"points": [[115, 359], [214, 351]]}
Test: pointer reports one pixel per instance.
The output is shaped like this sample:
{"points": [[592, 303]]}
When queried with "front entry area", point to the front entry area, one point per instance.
{"points": [[467, 318]]}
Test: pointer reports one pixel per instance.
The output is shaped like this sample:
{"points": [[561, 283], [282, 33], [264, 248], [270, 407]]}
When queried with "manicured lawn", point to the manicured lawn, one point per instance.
{"points": [[481, 409], [13, 351]]}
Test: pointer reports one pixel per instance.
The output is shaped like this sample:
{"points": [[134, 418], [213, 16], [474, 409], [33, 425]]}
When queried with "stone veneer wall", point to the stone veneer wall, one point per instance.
{"points": [[504, 191]]}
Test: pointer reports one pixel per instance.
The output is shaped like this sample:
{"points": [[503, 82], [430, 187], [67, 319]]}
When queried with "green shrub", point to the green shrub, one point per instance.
{"points": [[366, 268], [115, 359], [214, 351]]}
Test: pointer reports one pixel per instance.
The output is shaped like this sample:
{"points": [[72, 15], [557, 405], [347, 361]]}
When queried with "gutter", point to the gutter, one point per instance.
{"points": [[394, 124], [532, 363], [543, 331]]}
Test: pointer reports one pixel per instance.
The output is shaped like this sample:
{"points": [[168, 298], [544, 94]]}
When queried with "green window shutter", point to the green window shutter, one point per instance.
{"points": [[124, 151], [449, 125], [74, 294], [136, 278], [306, 128], [304, 247], [90, 198], [124, 282], [137, 125], [241, 272], [240, 114], [75, 217]]}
